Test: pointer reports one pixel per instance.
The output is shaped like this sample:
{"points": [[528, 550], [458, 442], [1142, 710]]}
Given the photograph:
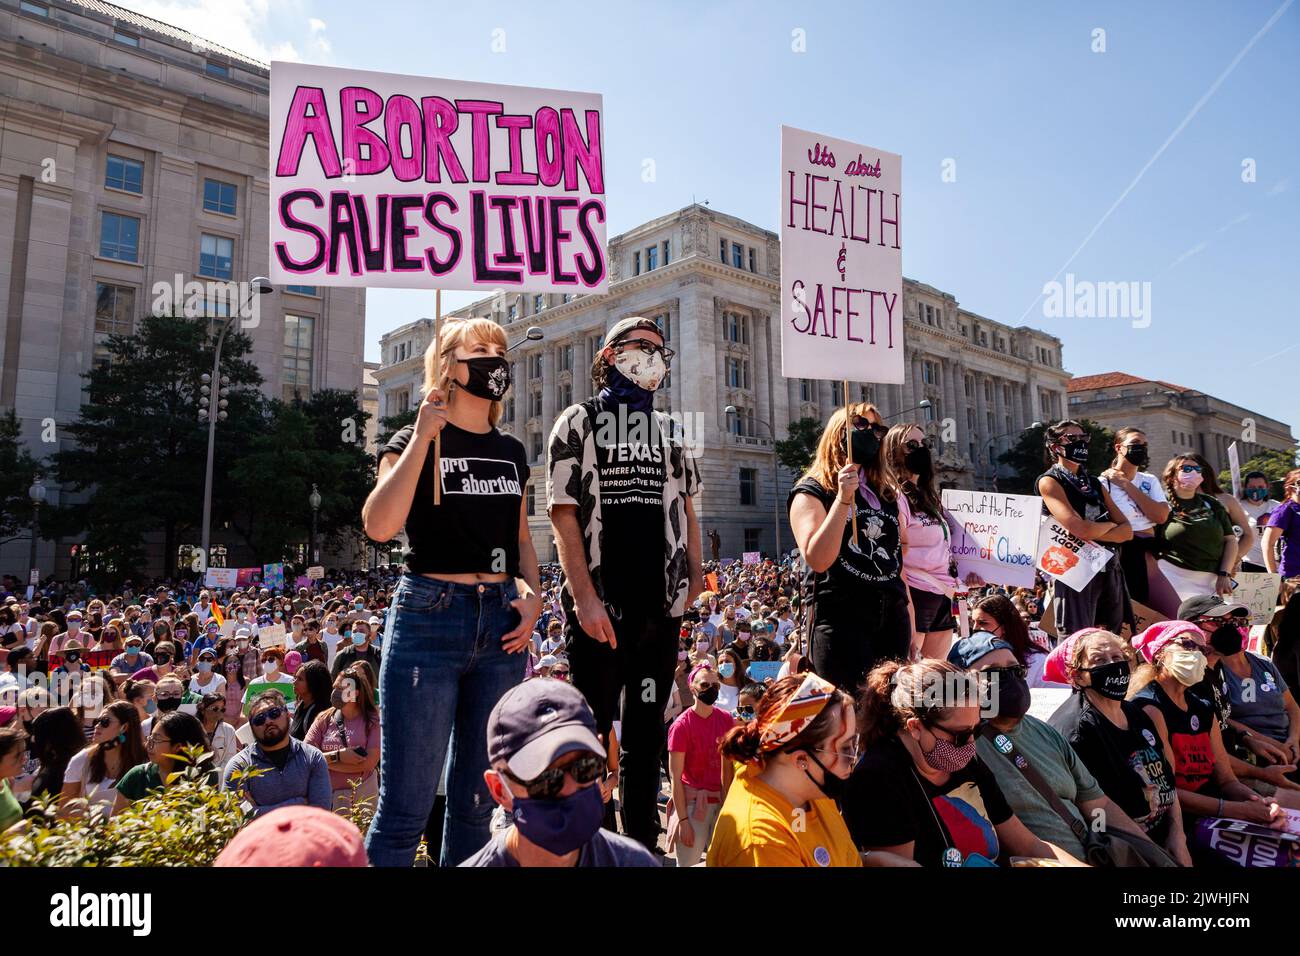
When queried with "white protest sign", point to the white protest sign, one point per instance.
{"points": [[220, 577], [380, 179], [841, 260], [1255, 639], [1070, 560], [316, 572], [1258, 590], [1234, 465], [994, 536], [270, 635]]}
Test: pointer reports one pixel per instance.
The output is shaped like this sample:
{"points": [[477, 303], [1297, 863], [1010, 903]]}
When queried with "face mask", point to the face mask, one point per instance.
{"points": [[241, 616], [1228, 639], [268, 667], [1187, 666], [74, 627], [1013, 696], [643, 371], [1190, 481], [232, 666], [866, 446], [489, 377], [560, 826], [358, 640], [1138, 455], [917, 461], [727, 669], [297, 628], [163, 659], [279, 614], [151, 707], [72, 657], [947, 757], [832, 786], [1257, 494], [204, 667], [182, 633], [1076, 451], [336, 699], [132, 650], [709, 695], [166, 704], [1110, 680]]}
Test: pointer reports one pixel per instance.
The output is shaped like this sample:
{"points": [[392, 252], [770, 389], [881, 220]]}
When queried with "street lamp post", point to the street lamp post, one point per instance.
{"points": [[925, 403], [37, 494], [776, 479], [314, 500], [214, 411]]}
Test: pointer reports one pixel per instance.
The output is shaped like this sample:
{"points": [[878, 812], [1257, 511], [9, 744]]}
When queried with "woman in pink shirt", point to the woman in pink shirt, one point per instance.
{"points": [[348, 734], [928, 566], [700, 777]]}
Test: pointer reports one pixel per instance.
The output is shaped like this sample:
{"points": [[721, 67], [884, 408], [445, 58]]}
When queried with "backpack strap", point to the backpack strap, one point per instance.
{"points": [[1005, 746]]}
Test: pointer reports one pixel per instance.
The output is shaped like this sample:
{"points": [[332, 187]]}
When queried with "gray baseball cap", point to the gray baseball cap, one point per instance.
{"points": [[537, 722]]}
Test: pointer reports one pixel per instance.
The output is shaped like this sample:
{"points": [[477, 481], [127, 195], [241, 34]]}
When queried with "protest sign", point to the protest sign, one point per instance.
{"points": [[1234, 466], [752, 557], [316, 572], [760, 671], [221, 577], [994, 536], [272, 635], [382, 179], [841, 260], [273, 575], [95, 660], [259, 687], [1068, 559], [1255, 639], [1258, 590], [248, 576], [711, 580], [302, 581]]}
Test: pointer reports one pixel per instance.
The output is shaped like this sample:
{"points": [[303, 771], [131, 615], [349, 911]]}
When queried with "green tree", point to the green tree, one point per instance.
{"points": [[1028, 456], [17, 471], [796, 451], [389, 425], [140, 448], [1274, 464]]}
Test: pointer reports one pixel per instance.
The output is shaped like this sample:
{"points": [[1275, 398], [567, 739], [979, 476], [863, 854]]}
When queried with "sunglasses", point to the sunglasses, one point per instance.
{"points": [[1188, 643], [918, 445], [860, 423], [560, 674], [548, 784], [271, 713], [1190, 469], [960, 738], [104, 722], [745, 713]]}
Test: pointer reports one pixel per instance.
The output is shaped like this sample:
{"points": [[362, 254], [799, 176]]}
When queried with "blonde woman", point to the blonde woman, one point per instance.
{"points": [[465, 607], [861, 612]]}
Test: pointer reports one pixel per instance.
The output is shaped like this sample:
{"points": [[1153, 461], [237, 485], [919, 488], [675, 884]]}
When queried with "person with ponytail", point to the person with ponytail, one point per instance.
{"points": [[464, 609], [1115, 738], [1082, 505], [1141, 496], [861, 613], [928, 564], [797, 754], [921, 791]]}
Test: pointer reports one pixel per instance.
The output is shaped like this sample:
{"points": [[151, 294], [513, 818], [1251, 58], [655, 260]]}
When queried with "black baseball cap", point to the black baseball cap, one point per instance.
{"points": [[1208, 605], [537, 722]]}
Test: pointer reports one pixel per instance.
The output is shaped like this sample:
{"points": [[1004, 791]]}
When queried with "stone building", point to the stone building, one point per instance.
{"points": [[711, 281], [132, 152], [1177, 419]]}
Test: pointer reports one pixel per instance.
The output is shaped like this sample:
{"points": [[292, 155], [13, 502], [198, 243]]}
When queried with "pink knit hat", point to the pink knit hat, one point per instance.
{"points": [[1153, 640], [1057, 666]]}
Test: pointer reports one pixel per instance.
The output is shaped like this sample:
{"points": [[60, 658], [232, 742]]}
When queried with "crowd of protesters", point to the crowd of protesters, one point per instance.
{"points": [[647, 700]]}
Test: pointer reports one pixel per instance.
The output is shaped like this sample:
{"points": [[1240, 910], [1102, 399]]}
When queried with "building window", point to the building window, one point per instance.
{"points": [[126, 38], [666, 255], [665, 322], [566, 358], [752, 536], [651, 259], [124, 174], [929, 373], [931, 411], [805, 390], [513, 312], [749, 486], [217, 69], [537, 446], [535, 365], [737, 373], [753, 260], [508, 408], [736, 422], [539, 303], [26, 6], [114, 315], [735, 328], [636, 263], [535, 403], [220, 197], [988, 391], [970, 419], [299, 336], [837, 394], [566, 394], [722, 251], [532, 500], [302, 289], [738, 255], [970, 387], [216, 256], [119, 237]]}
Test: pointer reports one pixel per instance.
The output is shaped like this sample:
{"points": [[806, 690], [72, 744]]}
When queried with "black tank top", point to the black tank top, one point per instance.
{"points": [[1083, 492]]}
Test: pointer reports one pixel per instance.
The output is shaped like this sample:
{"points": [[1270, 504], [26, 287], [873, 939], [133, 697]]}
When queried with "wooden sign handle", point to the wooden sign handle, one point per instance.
{"points": [[848, 446], [437, 364]]}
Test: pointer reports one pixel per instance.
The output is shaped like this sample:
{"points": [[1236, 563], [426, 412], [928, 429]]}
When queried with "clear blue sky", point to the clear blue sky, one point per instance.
{"points": [[1046, 135]]}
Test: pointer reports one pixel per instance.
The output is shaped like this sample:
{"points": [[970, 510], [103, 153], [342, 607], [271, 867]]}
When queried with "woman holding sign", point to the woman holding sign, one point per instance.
{"points": [[466, 602], [1084, 508], [861, 613]]}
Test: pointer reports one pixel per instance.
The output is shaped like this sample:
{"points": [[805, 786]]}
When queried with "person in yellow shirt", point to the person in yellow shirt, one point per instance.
{"points": [[796, 755]]}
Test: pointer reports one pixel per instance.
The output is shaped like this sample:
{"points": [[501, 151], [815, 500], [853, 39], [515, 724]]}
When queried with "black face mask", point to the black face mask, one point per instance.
{"points": [[832, 786], [1138, 455], [1013, 696], [917, 461], [1228, 639], [167, 703], [1075, 451], [489, 377], [866, 446], [1110, 680], [709, 695], [163, 659]]}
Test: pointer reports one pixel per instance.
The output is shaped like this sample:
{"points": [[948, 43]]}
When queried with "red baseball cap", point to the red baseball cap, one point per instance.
{"points": [[296, 836]]}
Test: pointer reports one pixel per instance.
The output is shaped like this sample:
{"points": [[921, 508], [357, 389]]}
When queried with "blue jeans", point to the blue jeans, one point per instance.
{"points": [[443, 671]]}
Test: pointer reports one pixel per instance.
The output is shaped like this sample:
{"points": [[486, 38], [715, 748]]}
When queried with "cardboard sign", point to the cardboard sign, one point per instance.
{"points": [[760, 671], [841, 260], [270, 635], [1258, 590], [994, 536], [1255, 641], [221, 578], [1068, 559], [316, 572], [381, 179]]}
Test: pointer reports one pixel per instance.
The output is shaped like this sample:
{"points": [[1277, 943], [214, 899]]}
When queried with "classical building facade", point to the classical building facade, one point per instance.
{"points": [[132, 152], [1176, 419], [711, 282]]}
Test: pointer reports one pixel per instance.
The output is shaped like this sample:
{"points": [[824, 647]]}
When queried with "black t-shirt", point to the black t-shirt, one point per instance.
{"points": [[1189, 736], [631, 470], [1084, 493], [875, 560], [1129, 765], [476, 528], [888, 803]]}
